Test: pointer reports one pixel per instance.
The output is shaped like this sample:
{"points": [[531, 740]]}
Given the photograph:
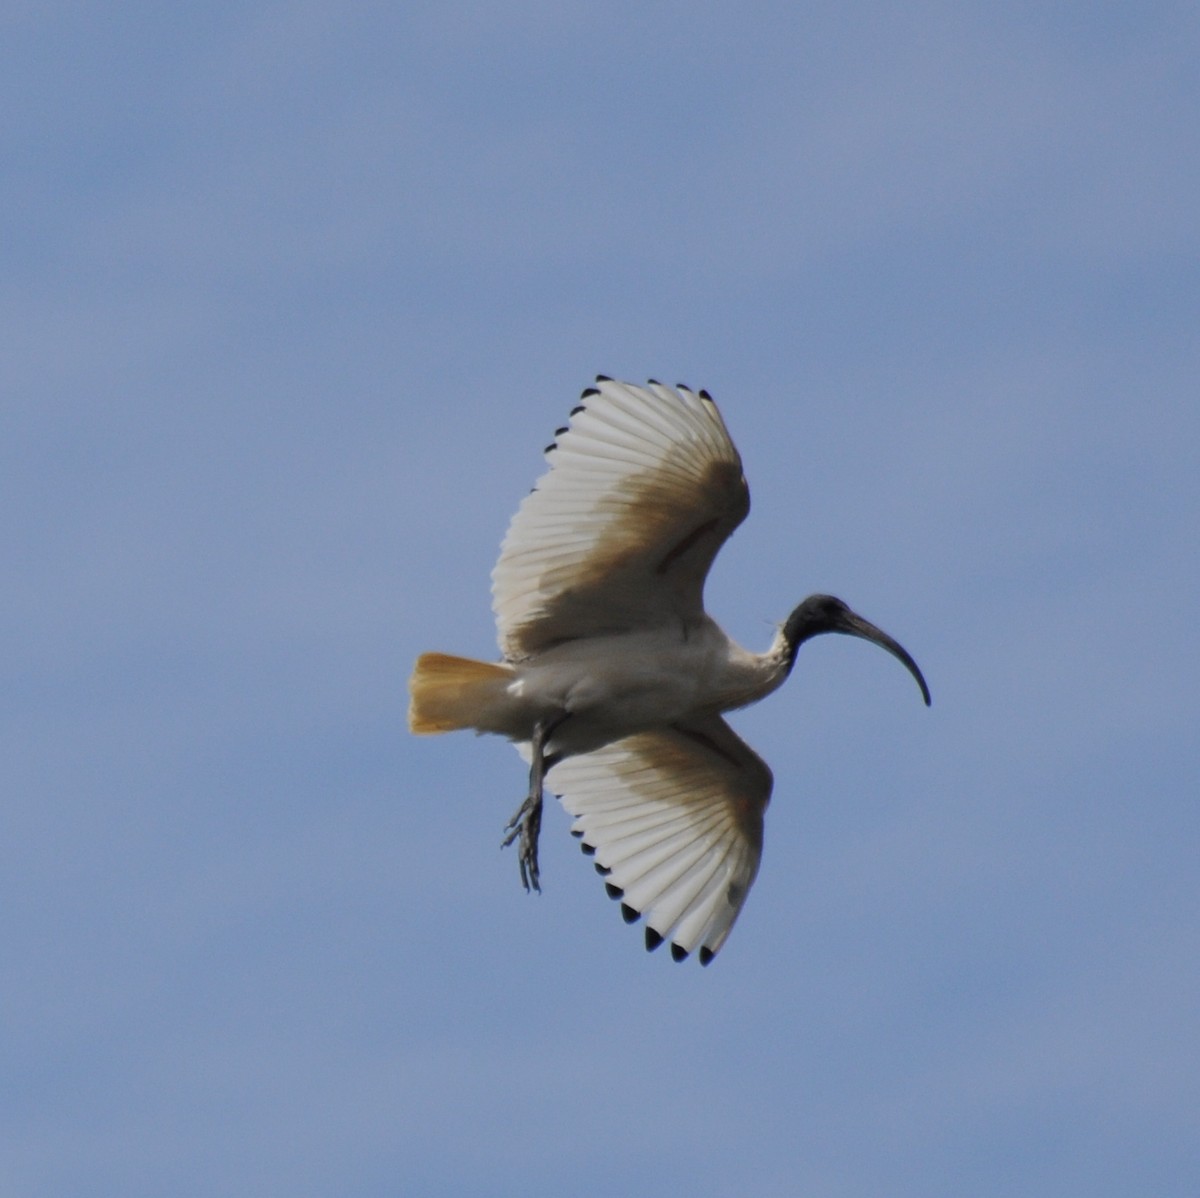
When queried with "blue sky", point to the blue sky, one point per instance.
{"points": [[294, 294]]}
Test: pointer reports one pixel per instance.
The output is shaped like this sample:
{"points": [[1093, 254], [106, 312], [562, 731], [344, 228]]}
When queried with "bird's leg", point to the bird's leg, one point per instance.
{"points": [[526, 822]]}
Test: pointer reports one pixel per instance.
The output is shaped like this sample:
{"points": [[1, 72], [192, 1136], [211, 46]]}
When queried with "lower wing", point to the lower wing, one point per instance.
{"points": [[674, 820]]}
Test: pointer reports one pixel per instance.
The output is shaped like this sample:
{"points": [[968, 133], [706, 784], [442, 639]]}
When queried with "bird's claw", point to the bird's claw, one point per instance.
{"points": [[524, 827]]}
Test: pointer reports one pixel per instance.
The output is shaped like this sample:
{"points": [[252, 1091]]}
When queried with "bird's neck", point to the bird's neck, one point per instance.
{"points": [[756, 675], [781, 656]]}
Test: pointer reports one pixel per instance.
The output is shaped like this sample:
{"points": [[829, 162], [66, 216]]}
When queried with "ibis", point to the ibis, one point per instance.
{"points": [[613, 680]]}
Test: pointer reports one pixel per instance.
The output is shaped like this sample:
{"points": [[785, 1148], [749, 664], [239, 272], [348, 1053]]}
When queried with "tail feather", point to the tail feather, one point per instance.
{"points": [[448, 693]]}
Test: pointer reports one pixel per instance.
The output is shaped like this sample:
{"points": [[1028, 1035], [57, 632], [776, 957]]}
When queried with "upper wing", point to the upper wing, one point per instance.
{"points": [[675, 820], [644, 487]]}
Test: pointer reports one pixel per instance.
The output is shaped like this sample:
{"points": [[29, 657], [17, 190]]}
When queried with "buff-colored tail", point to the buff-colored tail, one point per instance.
{"points": [[448, 693]]}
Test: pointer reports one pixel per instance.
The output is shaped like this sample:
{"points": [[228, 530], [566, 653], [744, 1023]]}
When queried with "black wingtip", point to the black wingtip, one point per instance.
{"points": [[653, 940], [706, 956], [602, 870], [603, 378], [653, 383], [613, 891], [588, 850], [705, 395], [678, 953], [628, 914]]}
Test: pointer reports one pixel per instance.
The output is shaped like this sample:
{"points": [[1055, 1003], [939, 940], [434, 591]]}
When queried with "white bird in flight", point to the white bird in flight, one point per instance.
{"points": [[613, 678]]}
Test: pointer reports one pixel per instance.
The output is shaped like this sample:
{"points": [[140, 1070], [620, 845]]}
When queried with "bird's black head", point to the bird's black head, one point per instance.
{"points": [[824, 613]]}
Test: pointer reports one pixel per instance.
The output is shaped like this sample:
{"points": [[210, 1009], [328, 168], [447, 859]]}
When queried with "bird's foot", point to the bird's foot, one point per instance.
{"points": [[524, 828]]}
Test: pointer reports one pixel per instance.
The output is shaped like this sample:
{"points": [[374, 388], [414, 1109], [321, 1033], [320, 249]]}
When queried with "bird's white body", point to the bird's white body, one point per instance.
{"points": [[614, 686], [613, 678]]}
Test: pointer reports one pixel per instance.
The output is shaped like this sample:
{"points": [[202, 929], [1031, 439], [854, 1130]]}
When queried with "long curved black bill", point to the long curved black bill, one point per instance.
{"points": [[855, 625]]}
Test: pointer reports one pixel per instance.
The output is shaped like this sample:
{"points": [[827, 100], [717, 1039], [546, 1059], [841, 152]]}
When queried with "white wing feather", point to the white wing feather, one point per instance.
{"points": [[674, 818], [645, 485]]}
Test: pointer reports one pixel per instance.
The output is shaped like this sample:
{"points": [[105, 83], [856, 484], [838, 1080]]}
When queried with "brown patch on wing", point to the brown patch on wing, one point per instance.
{"points": [[673, 819], [750, 796], [684, 545], [647, 566]]}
